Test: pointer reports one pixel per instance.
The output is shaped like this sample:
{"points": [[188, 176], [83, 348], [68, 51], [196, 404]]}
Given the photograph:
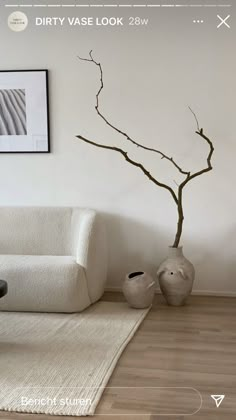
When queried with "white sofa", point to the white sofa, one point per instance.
{"points": [[53, 258]]}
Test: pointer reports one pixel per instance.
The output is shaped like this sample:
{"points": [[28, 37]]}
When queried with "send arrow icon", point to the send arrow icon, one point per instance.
{"points": [[218, 399]]}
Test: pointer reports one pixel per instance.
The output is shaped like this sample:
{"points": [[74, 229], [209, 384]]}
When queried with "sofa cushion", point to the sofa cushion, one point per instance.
{"points": [[35, 230], [43, 283]]}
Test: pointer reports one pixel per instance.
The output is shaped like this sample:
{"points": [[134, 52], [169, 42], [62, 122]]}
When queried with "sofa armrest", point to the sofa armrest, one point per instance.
{"points": [[90, 249]]}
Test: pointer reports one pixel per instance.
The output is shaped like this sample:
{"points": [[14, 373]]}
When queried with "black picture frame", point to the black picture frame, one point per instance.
{"points": [[28, 127]]}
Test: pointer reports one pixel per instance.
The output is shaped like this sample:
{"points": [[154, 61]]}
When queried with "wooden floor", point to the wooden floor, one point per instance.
{"points": [[188, 347]]}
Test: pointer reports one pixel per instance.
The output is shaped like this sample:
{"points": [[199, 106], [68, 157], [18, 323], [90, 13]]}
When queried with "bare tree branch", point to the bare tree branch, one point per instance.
{"points": [[132, 162], [189, 178], [163, 156], [209, 165], [195, 118], [178, 197]]}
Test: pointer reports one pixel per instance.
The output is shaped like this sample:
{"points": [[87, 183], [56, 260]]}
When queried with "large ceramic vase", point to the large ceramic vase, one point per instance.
{"points": [[176, 276], [139, 289]]}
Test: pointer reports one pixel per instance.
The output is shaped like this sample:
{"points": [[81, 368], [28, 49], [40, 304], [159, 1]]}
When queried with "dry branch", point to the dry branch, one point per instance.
{"points": [[150, 149], [178, 198], [132, 162]]}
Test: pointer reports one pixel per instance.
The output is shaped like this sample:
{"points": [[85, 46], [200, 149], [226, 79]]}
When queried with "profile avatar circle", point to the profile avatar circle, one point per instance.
{"points": [[17, 21]]}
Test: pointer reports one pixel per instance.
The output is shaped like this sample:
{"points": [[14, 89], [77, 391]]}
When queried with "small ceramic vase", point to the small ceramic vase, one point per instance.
{"points": [[139, 289]]}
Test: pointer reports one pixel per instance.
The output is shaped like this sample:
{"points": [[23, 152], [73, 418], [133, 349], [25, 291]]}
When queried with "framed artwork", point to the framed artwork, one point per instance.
{"points": [[24, 111]]}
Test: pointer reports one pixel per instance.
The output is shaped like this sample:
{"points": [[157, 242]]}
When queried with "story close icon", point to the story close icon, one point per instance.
{"points": [[218, 399], [223, 21]]}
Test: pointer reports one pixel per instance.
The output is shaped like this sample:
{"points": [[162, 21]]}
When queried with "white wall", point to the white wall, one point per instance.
{"points": [[151, 75]]}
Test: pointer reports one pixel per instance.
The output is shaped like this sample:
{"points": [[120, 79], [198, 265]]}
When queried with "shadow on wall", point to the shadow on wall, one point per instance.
{"points": [[134, 246], [216, 264]]}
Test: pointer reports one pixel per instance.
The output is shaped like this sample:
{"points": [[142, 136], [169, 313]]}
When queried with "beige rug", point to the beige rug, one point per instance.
{"points": [[59, 364]]}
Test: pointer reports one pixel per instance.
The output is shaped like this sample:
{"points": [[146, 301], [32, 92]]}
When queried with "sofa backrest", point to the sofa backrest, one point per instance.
{"points": [[36, 230]]}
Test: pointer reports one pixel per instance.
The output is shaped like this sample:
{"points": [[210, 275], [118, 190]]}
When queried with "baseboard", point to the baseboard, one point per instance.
{"points": [[194, 292], [213, 293]]}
